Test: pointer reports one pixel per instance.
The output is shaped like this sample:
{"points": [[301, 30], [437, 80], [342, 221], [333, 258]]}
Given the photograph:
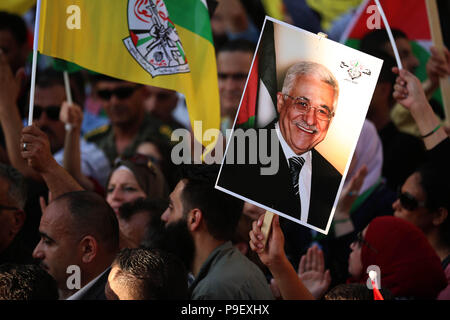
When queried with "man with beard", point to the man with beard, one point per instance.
{"points": [[208, 220], [49, 96], [78, 229], [130, 125], [305, 185]]}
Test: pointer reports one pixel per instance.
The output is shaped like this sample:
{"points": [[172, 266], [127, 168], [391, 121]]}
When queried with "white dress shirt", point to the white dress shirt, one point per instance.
{"points": [[304, 178]]}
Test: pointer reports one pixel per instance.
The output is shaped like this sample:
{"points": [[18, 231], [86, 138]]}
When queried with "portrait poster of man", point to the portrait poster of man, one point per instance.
{"points": [[298, 123]]}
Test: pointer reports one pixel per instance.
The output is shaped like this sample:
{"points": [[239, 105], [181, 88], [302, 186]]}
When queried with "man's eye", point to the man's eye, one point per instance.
{"points": [[322, 111]]}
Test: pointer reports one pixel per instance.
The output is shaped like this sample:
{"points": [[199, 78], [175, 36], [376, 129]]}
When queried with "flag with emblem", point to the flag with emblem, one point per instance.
{"points": [[163, 43]]}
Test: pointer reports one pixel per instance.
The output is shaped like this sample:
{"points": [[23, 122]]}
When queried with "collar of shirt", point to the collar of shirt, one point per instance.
{"points": [[81, 292], [305, 174]]}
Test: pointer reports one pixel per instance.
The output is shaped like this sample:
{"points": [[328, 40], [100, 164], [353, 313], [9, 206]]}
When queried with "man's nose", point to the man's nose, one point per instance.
{"points": [[37, 252], [165, 216], [396, 205], [310, 116]]}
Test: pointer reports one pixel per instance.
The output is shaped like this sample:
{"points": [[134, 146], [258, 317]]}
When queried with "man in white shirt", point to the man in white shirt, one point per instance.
{"points": [[79, 240]]}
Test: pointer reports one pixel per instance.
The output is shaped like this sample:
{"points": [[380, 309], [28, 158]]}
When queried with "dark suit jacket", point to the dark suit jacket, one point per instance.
{"points": [[276, 191], [97, 290]]}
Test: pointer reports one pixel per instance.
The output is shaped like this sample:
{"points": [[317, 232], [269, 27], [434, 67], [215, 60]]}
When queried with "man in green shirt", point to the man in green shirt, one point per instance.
{"points": [[129, 123]]}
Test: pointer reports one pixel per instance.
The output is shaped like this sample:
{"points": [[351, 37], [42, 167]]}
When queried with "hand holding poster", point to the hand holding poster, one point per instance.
{"points": [[302, 124]]}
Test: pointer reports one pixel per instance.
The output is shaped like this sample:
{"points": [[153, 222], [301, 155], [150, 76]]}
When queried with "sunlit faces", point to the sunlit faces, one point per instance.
{"points": [[50, 97], [123, 187], [419, 216], [57, 248], [232, 68], [175, 210], [303, 132], [123, 101]]}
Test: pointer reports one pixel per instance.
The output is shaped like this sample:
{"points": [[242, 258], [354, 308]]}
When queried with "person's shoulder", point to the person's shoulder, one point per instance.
{"points": [[97, 133]]}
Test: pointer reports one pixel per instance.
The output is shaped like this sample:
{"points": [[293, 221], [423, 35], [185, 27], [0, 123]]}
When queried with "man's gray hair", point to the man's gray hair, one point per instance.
{"points": [[309, 68], [17, 191]]}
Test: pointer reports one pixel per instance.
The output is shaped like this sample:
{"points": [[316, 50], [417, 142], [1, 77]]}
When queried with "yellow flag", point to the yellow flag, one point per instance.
{"points": [[18, 7], [163, 43]]}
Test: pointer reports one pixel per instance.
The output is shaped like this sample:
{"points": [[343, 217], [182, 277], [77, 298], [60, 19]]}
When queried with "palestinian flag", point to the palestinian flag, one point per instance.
{"points": [[258, 103], [407, 16], [163, 43]]}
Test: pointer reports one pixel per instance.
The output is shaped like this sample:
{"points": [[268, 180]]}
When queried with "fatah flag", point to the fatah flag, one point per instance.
{"points": [[408, 16], [258, 103], [163, 43], [19, 7]]}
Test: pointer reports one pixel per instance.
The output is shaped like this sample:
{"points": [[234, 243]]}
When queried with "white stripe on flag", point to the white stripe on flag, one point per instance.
{"points": [[266, 112]]}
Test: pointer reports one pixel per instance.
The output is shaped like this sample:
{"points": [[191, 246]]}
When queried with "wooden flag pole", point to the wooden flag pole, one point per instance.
{"points": [[34, 65], [436, 35], [265, 228]]}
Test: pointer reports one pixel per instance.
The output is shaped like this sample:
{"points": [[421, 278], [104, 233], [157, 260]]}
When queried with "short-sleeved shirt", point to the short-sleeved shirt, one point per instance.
{"points": [[103, 137], [229, 275]]}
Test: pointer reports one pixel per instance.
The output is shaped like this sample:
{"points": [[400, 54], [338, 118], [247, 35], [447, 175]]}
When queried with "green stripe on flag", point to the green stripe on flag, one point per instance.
{"points": [[250, 123], [191, 15], [143, 40]]}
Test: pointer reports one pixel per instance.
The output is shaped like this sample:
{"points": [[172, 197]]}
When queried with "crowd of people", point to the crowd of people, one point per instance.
{"points": [[97, 210]]}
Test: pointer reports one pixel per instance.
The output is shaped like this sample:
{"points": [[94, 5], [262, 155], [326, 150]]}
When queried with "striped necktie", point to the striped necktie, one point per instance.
{"points": [[295, 165]]}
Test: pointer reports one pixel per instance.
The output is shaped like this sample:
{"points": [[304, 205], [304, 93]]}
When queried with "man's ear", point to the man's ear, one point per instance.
{"points": [[441, 215], [19, 217], [89, 249], [194, 219], [280, 101]]}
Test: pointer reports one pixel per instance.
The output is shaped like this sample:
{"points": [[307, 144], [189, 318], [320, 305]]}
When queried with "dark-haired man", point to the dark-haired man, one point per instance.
{"points": [[436, 67], [210, 218], [234, 59], [144, 274], [129, 126], [12, 217], [78, 229]]}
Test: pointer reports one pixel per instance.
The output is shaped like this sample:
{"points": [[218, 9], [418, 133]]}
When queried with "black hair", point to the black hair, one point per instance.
{"points": [[435, 182], [237, 45], [220, 210], [355, 291], [17, 190], [386, 74], [376, 39], [50, 77], [93, 215], [152, 274], [14, 24], [26, 282]]}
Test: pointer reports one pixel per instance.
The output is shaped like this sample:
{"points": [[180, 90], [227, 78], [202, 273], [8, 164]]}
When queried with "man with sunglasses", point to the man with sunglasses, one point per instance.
{"points": [[129, 125], [306, 184]]}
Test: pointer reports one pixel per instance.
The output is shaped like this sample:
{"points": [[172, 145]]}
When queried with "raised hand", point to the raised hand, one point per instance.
{"points": [[312, 272], [36, 149]]}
